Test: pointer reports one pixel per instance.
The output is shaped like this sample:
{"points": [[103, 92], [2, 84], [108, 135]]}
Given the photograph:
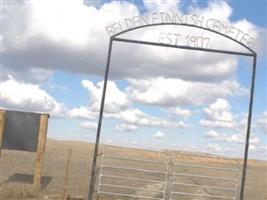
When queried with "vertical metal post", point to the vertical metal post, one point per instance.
{"points": [[93, 175], [248, 128]]}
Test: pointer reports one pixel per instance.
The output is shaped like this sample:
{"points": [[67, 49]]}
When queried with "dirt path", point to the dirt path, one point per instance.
{"points": [[157, 187]]}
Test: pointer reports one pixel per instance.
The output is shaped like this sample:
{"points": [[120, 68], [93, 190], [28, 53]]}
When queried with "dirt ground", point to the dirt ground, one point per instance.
{"points": [[17, 169]]}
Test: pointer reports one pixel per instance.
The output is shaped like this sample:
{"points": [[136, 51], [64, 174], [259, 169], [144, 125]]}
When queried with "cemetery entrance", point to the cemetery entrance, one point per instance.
{"points": [[139, 173]]}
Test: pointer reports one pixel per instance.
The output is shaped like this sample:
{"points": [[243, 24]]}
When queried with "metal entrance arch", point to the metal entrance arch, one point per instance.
{"points": [[115, 37]]}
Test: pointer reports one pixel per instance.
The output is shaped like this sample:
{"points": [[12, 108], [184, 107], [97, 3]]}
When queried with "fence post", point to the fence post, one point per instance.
{"points": [[170, 173], [40, 152], [66, 178]]}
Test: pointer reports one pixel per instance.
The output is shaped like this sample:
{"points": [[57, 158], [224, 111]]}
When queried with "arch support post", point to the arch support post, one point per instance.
{"points": [[244, 172], [93, 172]]}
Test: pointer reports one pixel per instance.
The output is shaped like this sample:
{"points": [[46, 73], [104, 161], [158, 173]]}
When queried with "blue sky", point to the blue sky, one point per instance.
{"points": [[53, 60]]}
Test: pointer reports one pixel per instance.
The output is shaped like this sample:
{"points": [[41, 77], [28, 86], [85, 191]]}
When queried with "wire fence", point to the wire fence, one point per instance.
{"points": [[17, 170]]}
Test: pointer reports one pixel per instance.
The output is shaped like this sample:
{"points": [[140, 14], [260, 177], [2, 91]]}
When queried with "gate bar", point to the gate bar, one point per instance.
{"points": [[131, 188], [133, 179], [134, 159], [133, 169], [202, 195], [133, 196], [204, 167], [207, 177], [183, 47], [205, 186]]}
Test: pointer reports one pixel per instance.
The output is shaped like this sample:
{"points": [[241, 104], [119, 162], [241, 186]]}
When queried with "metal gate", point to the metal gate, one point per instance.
{"points": [[179, 176], [131, 178], [205, 177]]}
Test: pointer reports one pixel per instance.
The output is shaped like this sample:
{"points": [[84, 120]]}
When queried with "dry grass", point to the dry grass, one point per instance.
{"points": [[17, 169], [16, 192]]}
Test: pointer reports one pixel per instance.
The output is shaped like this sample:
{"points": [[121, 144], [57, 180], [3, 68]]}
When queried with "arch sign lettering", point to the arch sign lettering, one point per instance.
{"points": [[190, 32]]}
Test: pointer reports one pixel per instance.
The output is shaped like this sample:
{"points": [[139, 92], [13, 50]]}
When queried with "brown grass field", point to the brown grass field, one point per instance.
{"points": [[17, 169]]}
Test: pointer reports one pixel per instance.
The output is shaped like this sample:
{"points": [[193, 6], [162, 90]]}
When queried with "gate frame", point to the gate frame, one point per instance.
{"points": [[251, 53]]}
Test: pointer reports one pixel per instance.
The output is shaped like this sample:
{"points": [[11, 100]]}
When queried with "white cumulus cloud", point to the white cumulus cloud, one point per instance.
{"points": [[125, 127], [88, 125], [214, 148], [261, 122], [238, 138], [137, 117], [218, 114], [115, 100], [45, 34], [159, 135], [117, 106], [29, 97], [184, 113], [174, 92]]}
